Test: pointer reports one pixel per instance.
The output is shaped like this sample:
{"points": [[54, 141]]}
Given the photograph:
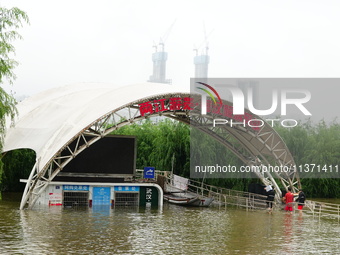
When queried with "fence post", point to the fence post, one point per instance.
{"points": [[220, 201], [225, 202], [254, 203], [320, 212]]}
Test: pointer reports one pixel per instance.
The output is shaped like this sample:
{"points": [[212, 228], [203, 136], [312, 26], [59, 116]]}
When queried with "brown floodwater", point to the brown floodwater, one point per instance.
{"points": [[173, 230]]}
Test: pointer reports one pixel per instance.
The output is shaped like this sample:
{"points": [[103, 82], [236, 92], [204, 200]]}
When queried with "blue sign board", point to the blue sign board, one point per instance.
{"points": [[101, 196], [76, 187], [127, 188], [149, 172]]}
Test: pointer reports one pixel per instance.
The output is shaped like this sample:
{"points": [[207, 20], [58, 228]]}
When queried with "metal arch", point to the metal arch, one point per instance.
{"points": [[263, 144], [241, 141]]}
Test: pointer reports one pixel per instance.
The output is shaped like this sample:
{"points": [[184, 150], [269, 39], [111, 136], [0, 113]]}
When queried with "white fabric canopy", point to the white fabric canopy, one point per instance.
{"points": [[50, 119]]}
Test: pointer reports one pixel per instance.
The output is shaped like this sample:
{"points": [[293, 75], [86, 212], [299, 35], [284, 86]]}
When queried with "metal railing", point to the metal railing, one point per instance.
{"points": [[250, 201], [224, 197], [323, 209], [139, 174]]}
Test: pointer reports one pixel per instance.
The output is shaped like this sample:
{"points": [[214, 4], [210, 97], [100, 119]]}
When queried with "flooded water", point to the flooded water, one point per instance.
{"points": [[173, 230]]}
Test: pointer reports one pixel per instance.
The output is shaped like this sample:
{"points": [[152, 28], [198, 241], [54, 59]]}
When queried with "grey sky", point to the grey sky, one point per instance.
{"points": [[111, 41]]}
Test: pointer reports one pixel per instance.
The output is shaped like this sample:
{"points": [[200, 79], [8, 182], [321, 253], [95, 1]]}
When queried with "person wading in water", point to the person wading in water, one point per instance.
{"points": [[300, 200], [289, 199]]}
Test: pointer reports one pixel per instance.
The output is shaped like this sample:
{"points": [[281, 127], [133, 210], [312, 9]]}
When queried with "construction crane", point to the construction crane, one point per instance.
{"points": [[163, 39], [204, 43], [202, 61]]}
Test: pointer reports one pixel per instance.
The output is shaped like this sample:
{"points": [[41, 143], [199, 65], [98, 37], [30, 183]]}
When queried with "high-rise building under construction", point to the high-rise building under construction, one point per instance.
{"points": [[159, 59]]}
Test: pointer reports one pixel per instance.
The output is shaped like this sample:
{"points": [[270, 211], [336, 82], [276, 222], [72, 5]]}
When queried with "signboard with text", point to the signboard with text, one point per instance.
{"points": [[126, 188], [149, 172], [76, 187]]}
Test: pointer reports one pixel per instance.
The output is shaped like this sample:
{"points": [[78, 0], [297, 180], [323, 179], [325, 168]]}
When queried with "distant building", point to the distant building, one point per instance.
{"points": [[201, 64], [159, 59]]}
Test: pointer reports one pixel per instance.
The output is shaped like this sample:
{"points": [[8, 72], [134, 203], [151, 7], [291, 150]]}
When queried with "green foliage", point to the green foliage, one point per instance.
{"points": [[7, 108], [10, 21], [321, 188], [17, 165], [209, 151], [158, 144], [315, 144]]}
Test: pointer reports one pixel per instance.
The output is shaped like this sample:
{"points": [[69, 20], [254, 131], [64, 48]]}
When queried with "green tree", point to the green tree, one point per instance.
{"points": [[315, 144], [10, 21], [17, 165], [158, 143]]}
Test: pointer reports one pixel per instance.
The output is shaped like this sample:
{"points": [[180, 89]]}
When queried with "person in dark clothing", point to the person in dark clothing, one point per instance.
{"points": [[300, 200], [270, 192]]}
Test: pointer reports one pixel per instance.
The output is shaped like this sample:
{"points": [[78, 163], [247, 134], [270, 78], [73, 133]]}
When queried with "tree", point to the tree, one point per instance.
{"points": [[10, 21], [17, 165]]}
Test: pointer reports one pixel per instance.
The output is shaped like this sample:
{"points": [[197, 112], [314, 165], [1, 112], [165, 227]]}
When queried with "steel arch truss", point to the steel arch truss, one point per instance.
{"points": [[254, 148]]}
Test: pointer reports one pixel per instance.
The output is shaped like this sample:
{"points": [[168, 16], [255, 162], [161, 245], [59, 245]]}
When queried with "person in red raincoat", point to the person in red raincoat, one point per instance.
{"points": [[289, 199]]}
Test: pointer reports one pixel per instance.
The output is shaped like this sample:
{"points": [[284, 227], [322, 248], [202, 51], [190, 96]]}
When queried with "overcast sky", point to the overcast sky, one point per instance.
{"points": [[111, 41]]}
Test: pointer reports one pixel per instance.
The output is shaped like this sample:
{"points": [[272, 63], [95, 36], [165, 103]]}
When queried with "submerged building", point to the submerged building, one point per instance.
{"points": [[102, 175], [77, 160]]}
